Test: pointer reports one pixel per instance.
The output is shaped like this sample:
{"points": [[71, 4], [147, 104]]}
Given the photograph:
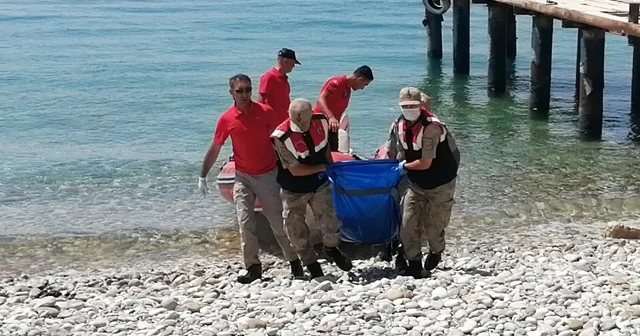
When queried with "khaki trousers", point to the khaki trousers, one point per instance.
{"points": [[266, 189], [294, 211], [425, 211]]}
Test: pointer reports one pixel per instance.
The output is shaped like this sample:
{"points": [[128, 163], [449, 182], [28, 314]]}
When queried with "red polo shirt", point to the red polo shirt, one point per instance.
{"points": [[338, 96], [275, 88], [250, 137]]}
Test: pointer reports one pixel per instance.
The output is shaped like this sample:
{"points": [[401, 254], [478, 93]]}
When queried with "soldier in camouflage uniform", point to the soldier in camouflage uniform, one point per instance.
{"points": [[301, 144], [430, 159]]}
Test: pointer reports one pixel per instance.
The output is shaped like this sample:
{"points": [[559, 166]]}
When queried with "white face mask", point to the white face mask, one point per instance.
{"points": [[411, 114]]}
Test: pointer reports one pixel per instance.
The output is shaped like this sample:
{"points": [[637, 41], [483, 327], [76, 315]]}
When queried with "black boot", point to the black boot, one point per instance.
{"points": [[387, 253], [255, 272], [319, 248], [342, 261], [296, 269], [433, 259], [315, 269], [401, 262], [414, 269]]}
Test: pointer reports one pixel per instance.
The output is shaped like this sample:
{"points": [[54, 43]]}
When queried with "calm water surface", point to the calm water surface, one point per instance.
{"points": [[108, 107]]}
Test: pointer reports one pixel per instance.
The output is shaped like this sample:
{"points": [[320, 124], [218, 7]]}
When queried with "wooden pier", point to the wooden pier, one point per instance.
{"points": [[592, 19]]}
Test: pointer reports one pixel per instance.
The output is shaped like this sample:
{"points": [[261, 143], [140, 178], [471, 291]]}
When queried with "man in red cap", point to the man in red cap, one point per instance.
{"points": [[274, 88], [334, 98]]}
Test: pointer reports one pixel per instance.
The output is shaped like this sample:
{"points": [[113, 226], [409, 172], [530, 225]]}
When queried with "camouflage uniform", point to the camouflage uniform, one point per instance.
{"points": [[295, 210], [425, 211]]}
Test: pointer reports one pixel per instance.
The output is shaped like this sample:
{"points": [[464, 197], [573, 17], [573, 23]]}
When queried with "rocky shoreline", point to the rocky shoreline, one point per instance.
{"points": [[532, 283]]}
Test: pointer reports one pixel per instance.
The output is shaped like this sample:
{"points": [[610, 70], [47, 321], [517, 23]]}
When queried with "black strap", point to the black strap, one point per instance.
{"points": [[365, 192], [308, 141]]}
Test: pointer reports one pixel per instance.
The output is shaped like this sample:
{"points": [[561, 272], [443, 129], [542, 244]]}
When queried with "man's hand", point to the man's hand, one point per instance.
{"points": [[202, 186], [401, 167], [328, 171], [334, 124]]}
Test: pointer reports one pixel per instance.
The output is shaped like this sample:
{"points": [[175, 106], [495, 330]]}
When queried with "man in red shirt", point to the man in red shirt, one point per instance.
{"points": [[249, 124], [334, 98], [274, 88]]}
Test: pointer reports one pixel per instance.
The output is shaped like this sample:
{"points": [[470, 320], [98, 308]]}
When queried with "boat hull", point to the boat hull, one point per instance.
{"points": [[227, 177]]}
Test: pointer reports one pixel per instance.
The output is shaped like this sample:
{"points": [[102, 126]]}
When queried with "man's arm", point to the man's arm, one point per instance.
{"points": [[209, 159], [289, 161], [392, 143], [430, 140], [334, 123], [220, 135], [271, 118], [322, 101], [262, 89]]}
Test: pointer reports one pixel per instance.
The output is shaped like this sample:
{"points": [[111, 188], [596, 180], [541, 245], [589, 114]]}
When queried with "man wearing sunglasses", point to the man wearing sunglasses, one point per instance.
{"points": [[249, 124], [274, 88]]}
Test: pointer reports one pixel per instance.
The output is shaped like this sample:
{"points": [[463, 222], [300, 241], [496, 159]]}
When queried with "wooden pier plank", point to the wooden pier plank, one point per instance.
{"points": [[610, 15]]}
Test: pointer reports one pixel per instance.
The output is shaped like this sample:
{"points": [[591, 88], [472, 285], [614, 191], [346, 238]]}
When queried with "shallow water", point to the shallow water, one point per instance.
{"points": [[108, 108]]}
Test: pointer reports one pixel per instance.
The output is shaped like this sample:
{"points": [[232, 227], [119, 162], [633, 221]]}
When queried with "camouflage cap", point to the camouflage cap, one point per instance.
{"points": [[409, 96]]}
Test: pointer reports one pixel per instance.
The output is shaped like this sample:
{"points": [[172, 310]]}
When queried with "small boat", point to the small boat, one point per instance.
{"points": [[227, 176]]}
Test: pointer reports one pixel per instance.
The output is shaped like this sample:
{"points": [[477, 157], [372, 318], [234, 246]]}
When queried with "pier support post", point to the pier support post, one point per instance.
{"points": [[497, 76], [512, 38], [591, 82], [635, 80], [634, 14], [541, 44], [433, 23], [461, 38], [578, 51]]}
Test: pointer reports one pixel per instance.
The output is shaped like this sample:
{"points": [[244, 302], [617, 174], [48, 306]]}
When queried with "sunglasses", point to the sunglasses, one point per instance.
{"points": [[243, 90]]}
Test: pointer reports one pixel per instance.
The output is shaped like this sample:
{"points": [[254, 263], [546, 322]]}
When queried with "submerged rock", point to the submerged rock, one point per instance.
{"points": [[620, 231]]}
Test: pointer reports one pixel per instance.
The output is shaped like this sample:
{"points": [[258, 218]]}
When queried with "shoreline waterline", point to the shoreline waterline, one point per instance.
{"points": [[45, 252]]}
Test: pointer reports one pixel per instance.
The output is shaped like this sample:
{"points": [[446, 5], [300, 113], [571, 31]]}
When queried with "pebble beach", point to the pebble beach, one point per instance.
{"points": [[108, 108], [531, 282]]}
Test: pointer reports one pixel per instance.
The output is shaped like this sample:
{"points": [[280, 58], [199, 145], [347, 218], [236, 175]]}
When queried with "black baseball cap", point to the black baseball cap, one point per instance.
{"points": [[288, 53]]}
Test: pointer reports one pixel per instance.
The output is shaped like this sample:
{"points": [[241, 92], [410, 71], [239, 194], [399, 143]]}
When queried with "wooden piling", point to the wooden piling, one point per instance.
{"points": [[577, 88], [592, 19], [497, 76], [433, 23], [541, 44], [461, 37], [512, 38], [634, 15], [591, 82], [635, 79]]}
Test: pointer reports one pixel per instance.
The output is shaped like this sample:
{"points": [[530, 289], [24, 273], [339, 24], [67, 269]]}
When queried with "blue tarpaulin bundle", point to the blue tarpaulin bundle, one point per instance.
{"points": [[365, 196]]}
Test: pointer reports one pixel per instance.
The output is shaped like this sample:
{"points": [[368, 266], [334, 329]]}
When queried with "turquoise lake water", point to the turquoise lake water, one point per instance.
{"points": [[107, 108]]}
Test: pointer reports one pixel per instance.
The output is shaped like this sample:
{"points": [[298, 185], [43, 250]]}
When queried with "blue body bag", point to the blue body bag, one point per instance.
{"points": [[366, 199]]}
